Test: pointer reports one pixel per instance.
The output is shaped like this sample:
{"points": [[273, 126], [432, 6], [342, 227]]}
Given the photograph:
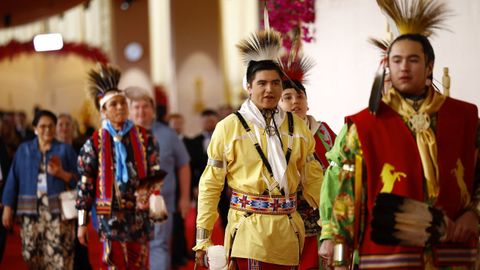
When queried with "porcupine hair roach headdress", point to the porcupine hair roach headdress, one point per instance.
{"points": [[104, 84], [411, 19]]}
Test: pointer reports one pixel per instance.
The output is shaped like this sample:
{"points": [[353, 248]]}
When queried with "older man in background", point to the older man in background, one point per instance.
{"points": [[174, 159]]}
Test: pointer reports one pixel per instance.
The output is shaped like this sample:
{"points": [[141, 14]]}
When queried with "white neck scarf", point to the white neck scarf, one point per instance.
{"points": [[312, 124], [275, 154]]}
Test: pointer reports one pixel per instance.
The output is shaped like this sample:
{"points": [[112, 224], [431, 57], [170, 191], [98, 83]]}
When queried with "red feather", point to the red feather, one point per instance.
{"points": [[296, 69]]}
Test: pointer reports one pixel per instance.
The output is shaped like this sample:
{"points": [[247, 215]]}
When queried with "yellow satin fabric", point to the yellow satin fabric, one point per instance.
{"points": [[426, 141]]}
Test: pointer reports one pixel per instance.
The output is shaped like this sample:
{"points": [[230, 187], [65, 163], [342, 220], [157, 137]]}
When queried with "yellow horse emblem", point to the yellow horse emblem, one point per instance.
{"points": [[459, 174], [389, 177]]}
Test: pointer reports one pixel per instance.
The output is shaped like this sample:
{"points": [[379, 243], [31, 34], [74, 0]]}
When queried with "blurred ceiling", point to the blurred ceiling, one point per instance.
{"points": [[17, 12]]}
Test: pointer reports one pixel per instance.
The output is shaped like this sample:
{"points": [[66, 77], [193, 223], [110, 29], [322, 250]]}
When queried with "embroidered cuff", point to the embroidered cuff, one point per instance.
{"points": [[326, 232], [215, 163]]}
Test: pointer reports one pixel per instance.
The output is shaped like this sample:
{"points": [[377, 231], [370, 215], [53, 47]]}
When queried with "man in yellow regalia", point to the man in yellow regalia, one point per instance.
{"points": [[265, 154]]}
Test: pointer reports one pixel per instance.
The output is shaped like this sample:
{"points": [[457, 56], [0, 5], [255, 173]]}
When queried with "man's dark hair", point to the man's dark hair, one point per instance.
{"points": [[209, 112], [255, 66], [423, 40], [298, 86], [41, 114]]}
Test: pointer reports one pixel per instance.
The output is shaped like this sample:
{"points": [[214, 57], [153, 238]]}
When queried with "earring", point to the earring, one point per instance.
{"points": [[36, 132]]}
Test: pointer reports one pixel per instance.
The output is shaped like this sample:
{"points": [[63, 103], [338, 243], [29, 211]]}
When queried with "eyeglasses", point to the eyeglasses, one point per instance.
{"points": [[46, 126]]}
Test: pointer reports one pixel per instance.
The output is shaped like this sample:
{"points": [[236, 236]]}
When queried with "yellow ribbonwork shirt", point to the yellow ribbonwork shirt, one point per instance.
{"points": [[266, 238]]}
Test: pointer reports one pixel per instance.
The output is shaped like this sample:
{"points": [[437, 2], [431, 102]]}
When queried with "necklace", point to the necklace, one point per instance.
{"points": [[416, 100], [268, 115]]}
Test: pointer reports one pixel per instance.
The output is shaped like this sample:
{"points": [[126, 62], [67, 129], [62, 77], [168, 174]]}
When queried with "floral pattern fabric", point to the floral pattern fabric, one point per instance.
{"points": [[309, 215], [47, 240], [126, 223]]}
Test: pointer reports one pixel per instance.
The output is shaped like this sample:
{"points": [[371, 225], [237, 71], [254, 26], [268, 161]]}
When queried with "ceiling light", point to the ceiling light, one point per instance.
{"points": [[48, 42], [126, 4]]}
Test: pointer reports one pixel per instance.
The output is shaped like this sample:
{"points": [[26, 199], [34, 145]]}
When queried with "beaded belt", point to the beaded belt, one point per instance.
{"points": [[263, 204]]}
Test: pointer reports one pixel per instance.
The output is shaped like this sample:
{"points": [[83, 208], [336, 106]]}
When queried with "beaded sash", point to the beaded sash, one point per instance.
{"points": [[263, 204]]}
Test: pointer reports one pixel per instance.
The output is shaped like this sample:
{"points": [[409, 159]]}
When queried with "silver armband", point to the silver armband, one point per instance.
{"points": [[339, 255], [82, 217]]}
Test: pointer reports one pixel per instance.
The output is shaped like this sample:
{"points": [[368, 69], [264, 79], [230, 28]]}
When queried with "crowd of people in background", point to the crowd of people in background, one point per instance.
{"points": [[182, 156], [44, 147]]}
